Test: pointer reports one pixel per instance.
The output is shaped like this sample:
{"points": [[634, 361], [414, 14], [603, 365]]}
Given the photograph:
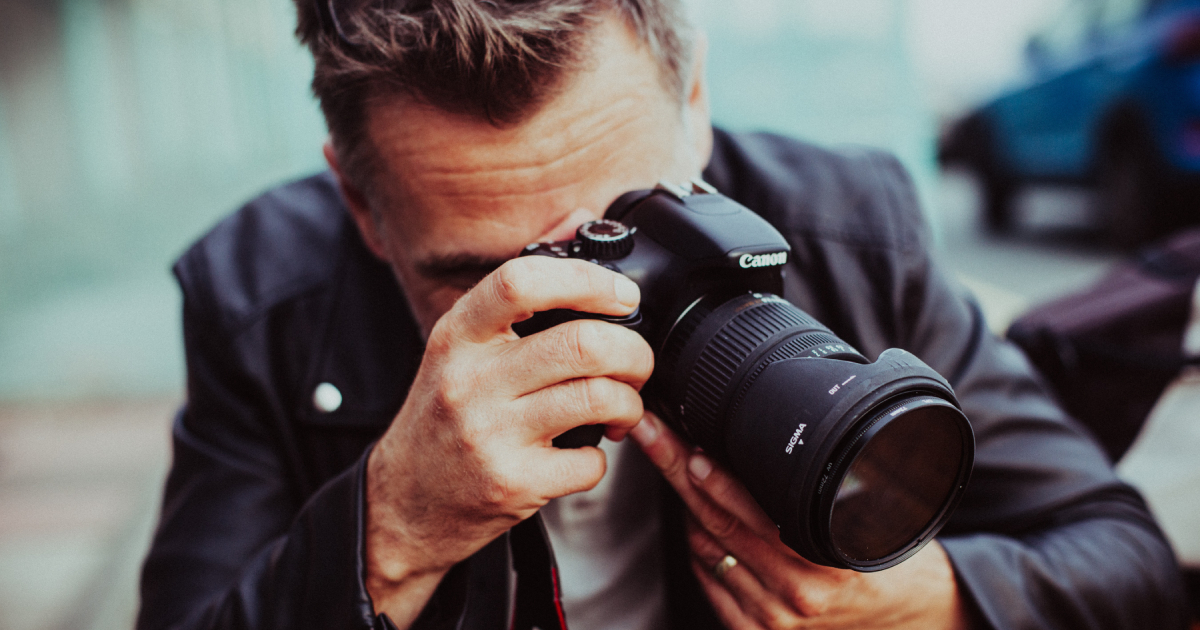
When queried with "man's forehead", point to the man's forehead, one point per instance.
{"points": [[459, 155], [601, 108]]}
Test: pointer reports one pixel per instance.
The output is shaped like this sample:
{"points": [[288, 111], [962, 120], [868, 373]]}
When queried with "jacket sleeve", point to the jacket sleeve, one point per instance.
{"points": [[1046, 536], [236, 545]]}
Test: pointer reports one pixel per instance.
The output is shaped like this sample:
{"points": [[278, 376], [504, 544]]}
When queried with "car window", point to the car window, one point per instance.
{"points": [[1067, 33], [1115, 16], [1083, 22]]}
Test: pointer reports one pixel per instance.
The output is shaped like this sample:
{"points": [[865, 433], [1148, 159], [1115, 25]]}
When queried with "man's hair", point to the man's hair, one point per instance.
{"points": [[499, 60]]}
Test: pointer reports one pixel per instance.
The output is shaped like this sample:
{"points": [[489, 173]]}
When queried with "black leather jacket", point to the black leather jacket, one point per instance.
{"points": [[262, 516]]}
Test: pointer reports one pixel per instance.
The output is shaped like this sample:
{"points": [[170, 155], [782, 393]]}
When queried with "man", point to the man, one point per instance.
{"points": [[366, 442]]}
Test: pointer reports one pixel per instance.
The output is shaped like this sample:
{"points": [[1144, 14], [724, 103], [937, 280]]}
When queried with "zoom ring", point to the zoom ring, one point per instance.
{"points": [[710, 377]]}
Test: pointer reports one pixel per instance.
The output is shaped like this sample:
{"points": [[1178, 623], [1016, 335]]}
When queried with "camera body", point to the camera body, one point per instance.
{"points": [[680, 246], [858, 462]]}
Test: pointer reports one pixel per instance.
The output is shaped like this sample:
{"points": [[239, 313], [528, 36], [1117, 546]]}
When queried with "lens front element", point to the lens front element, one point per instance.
{"points": [[904, 473]]}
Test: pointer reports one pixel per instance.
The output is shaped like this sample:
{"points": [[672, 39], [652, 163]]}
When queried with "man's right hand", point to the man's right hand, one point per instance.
{"points": [[470, 455]]}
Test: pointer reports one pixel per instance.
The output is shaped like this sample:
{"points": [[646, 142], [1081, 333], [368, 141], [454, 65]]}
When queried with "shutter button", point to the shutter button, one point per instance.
{"points": [[327, 398]]}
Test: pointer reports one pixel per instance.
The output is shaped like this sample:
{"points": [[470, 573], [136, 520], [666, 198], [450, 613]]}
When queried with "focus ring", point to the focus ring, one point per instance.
{"points": [[794, 347], [710, 377]]}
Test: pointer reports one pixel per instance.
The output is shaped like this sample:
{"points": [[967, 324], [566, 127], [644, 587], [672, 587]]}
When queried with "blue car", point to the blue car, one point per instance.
{"points": [[1115, 103]]}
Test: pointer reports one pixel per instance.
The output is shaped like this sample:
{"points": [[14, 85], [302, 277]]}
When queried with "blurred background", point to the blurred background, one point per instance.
{"points": [[128, 127]]}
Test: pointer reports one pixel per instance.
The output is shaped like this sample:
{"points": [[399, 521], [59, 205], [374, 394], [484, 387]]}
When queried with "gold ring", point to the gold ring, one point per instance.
{"points": [[723, 567]]}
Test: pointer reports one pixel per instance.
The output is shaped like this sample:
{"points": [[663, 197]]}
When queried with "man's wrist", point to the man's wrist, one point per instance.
{"points": [[393, 557], [397, 576]]}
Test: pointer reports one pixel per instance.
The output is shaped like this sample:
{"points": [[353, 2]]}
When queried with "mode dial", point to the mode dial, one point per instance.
{"points": [[604, 239]]}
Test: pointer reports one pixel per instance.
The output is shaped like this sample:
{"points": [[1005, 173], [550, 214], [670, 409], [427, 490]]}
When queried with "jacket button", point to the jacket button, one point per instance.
{"points": [[327, 398]]}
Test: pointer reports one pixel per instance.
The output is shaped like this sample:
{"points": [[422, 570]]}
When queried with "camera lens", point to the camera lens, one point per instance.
{"points": [[859, 463], [895, 486]]}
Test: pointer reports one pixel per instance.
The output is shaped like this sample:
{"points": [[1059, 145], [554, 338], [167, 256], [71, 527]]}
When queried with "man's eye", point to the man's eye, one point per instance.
{"points": [[457, 272], [466, 280]]}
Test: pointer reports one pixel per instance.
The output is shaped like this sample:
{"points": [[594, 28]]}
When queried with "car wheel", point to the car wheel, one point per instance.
{"points": [[1132, 192], [975, 146], [997, 198]]}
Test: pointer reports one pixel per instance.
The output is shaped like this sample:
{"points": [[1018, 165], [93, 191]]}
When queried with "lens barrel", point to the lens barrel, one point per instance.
{"points": [[859, 463]]}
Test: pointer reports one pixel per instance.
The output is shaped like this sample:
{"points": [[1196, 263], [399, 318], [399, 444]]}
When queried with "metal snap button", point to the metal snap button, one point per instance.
{"points": [[327, 398]]}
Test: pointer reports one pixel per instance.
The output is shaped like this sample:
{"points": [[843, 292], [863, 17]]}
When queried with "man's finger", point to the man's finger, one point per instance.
{"points": [[753, 596], [576, 349], [562, 471], [666, 451], [598, 400], [526, 285], [723, 601], [669, 453], [773, 562], [726, 491]]}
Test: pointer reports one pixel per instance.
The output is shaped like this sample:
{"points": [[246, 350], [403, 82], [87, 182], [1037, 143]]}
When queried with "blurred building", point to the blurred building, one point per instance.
{"points": [[126, 128]]}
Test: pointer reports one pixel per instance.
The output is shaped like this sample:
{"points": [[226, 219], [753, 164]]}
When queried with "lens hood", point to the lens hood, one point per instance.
{"points": [[844, 406]]}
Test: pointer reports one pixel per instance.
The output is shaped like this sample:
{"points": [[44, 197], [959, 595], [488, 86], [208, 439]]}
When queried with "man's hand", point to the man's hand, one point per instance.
{"points": [[773, 587], [470, 455]]}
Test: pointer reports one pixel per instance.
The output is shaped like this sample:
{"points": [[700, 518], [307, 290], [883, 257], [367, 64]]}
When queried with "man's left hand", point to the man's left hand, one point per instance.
{"points": [[771, 586]]}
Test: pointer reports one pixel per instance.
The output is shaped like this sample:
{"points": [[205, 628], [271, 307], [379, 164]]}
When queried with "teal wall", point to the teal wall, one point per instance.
{"points": [[128, 127], [836, 72], [9, 208]]}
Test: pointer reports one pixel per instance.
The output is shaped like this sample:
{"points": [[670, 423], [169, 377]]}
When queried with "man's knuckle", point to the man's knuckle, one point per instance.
{"points": [[597, 281], [581, 274], [723, 524], [590, 398], [645, 358], [496, 494], [580, 341], [441, 337], [453, 391], [630, 406], [701, 543], [510, 282], [473, 437], [671, 463], [775, 617], [805, 601]]}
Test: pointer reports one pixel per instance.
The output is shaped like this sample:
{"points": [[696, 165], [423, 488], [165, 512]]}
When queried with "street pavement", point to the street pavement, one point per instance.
{"points": [[80, 481], [1055, 248], [79, 488]]}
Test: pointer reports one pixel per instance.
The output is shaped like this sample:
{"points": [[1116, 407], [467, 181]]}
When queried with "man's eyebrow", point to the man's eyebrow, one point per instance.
{"points": [[458, 266]]}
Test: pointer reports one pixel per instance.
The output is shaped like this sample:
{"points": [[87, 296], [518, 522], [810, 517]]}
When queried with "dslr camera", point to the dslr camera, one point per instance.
{"points": [[860, 463]]}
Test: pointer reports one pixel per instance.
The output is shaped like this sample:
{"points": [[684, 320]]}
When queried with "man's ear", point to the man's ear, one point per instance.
{"points": [[699, 116], [358, 204]]}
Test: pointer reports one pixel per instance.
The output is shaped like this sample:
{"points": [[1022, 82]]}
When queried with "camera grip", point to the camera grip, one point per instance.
{"points": [[588, 434]]}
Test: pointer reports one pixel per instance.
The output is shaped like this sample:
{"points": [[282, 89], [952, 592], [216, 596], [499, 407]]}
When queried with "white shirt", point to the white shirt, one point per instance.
{"points": [[607, 544]]}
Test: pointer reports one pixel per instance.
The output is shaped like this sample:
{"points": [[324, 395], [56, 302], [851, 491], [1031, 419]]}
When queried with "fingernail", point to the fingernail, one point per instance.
{"points": [[699, 466], [645, 432], [627, 291]]}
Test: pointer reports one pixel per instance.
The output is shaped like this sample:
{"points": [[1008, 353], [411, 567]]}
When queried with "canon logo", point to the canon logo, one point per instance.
{"points": [[749, 261]]}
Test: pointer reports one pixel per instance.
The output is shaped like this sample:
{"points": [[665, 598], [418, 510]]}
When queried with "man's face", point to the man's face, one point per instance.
{"points": [[457, 196]]}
